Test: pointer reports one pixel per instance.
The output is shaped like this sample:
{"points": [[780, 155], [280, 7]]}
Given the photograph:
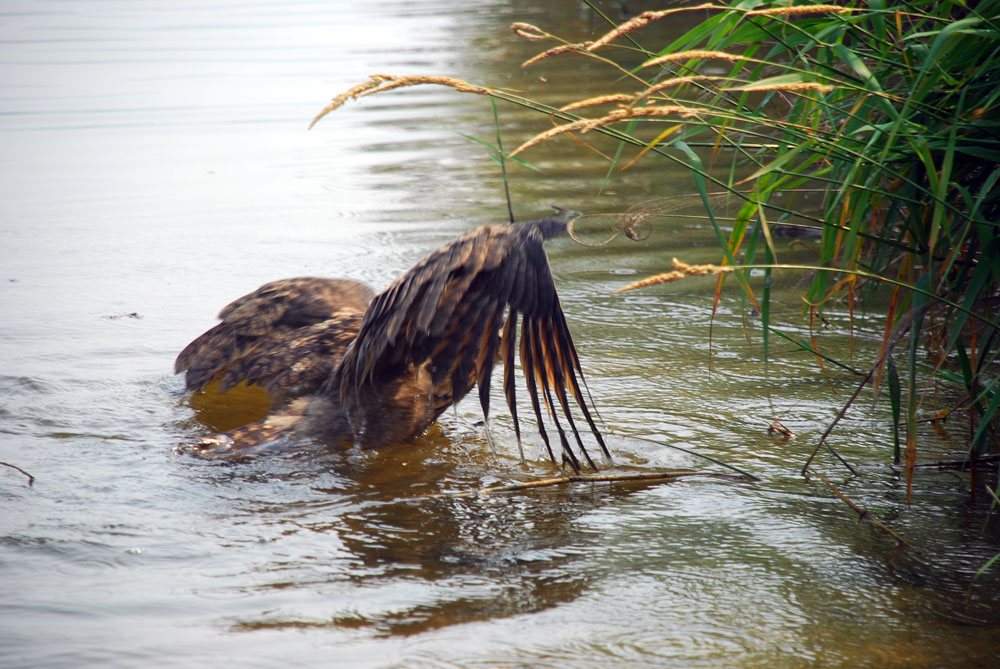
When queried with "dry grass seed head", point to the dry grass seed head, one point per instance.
{"points": [[661, 111], [691, 55], [621, 114], [555, 51], [797, 87], [528, 31], [801, 10], [681, 270], [670, 83], [378, 83], [645, 18], [549, 134], [599, 100], [641, 20], [349, 94], [391, 81]]}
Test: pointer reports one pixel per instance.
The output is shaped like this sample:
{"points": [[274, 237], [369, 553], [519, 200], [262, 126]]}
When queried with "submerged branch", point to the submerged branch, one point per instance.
{"points": [[894, 337], [863, 513], [664, 476]]}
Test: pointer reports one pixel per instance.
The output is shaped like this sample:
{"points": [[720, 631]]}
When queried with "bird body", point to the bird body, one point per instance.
{"points": [[341, 363]]}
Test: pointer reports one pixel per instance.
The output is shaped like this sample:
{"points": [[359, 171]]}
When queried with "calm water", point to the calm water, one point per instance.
{"points": [[156, 164]]}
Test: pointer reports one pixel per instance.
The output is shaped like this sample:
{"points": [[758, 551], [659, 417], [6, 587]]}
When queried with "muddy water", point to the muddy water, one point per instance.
{"points": [[156, 164]]}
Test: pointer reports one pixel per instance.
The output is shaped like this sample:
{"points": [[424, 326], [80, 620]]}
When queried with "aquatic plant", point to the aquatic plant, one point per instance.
{"points": [[873, 125], [877, 126]]}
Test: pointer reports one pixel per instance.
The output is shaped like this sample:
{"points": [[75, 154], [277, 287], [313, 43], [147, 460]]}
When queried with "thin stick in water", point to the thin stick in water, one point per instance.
{"points": [[664, 476], [31, 479], [863, 513]]}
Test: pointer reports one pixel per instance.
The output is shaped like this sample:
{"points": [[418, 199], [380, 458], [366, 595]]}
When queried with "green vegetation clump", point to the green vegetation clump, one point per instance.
{"points": [[877, 125]]}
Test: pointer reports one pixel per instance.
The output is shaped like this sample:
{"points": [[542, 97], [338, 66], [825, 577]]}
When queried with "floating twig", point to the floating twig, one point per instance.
{"points": [[31, 479], [742, 473], [961, 464]]}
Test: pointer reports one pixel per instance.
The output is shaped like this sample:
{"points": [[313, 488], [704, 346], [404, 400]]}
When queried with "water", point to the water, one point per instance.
{"points": [[156, 165]]}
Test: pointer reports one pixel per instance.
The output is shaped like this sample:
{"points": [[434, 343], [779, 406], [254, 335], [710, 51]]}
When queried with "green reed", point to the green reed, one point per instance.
{"points": [[878, 125]]}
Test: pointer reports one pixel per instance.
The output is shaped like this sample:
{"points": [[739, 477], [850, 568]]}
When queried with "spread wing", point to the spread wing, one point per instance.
{"points": [[447, 313], [286, 336]]}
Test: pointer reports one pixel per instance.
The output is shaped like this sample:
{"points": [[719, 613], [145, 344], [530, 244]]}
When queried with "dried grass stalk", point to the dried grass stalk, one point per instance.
{"points": [[681, 270], [378, 83], [690, 55], [645, 18], [552, 132], [580, 47], [641, 20], [661, 111], [599, 100], [615, 116], [802, 10], [529, 31], [797, 87], [670, 83]]}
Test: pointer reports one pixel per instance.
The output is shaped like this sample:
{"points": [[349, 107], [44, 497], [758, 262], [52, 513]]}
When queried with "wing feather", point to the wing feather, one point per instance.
{"points": [[488, 345], [572, 362], [507, 342], [446, 314], [558, 373], [531, 379]]}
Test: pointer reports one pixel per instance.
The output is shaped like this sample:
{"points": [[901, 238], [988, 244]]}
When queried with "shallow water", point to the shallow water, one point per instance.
{"points": [[156, 165]]}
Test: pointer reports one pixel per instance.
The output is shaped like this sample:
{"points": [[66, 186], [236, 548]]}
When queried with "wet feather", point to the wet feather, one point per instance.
{"points": [[387, 368]]}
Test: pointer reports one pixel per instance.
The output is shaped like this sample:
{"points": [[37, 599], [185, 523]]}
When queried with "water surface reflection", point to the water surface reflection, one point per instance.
{"points": [[156, 166]]}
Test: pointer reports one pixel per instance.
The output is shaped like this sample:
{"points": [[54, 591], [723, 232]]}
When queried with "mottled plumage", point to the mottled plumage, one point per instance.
{"points": [[287, 336], [380, 373]]}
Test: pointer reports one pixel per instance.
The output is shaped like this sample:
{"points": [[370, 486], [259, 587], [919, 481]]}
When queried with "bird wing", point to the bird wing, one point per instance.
{"points": [[286, 336], [446, 314]]}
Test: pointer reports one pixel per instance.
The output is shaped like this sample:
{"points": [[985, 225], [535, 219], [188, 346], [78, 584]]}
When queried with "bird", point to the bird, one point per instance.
{"points": [[341, 363]]}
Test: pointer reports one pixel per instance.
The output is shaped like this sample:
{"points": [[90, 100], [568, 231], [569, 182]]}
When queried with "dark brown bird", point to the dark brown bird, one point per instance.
{"points": [[341, 364]]}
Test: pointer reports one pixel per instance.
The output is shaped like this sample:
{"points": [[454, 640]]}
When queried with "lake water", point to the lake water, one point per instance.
{"points": [[156, 164]]}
